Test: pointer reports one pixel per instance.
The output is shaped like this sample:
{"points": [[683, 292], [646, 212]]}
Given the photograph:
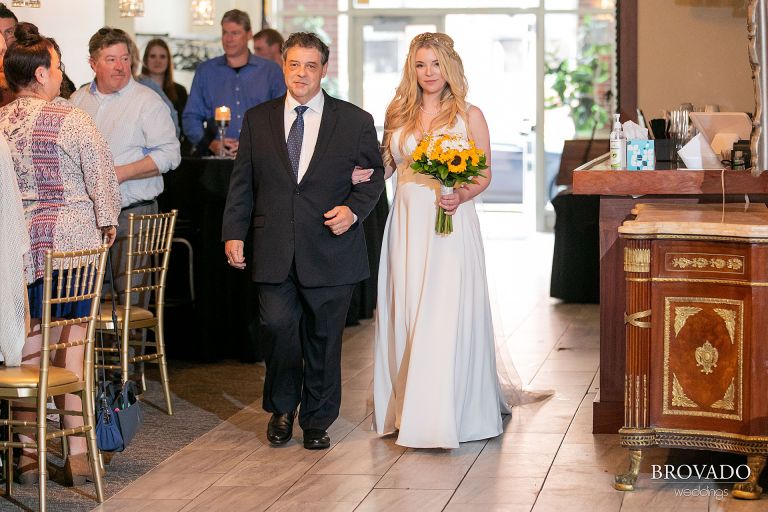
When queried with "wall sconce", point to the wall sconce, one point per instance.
{"points": [[25, 3], [131, 8], [203, 12]]}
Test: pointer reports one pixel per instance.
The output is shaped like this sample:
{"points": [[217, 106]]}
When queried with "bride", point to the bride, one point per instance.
{"points": [[436, 380]]}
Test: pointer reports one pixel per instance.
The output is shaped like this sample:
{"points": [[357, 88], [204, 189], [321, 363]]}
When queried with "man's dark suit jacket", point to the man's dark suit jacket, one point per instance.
{"points": [[286, 217]]}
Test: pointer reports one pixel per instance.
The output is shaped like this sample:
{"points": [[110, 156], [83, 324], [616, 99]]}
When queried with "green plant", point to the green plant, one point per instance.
{"points": [[573, 82]]}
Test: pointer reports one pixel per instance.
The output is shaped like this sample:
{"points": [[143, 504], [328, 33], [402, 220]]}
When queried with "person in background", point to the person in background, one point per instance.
{"points": [[268, 44], [238, 80], [148, 82], [138, 127], [8, 23], [158, 65], [71, 202]]}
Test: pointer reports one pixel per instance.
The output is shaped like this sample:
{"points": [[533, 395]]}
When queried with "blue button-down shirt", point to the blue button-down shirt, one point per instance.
{"points": [[216, 84]]}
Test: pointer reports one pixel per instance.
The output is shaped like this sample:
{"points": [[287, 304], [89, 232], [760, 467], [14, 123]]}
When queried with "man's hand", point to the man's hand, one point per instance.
{"points": [[339, 220], [360, 175], [230, 147], [234, 251]]}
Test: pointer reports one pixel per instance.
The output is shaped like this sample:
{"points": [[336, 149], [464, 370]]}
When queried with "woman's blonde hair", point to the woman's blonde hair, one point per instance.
{"points": [[403, 110]]}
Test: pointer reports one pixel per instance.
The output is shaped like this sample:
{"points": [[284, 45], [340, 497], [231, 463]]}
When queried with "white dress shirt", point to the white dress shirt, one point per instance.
{"points": [[136, 123], [312, 117]]}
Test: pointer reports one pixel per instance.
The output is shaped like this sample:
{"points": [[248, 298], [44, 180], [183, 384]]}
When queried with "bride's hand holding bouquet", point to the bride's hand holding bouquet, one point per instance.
{"points": [[451, 159]]}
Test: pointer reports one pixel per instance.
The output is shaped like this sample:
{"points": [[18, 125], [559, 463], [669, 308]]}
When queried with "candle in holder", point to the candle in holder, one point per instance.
{"points": [[222, 116]]}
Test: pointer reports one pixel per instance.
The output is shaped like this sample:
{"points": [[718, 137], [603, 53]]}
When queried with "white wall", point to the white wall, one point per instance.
{"points": [[71, 23], [693, 51]]}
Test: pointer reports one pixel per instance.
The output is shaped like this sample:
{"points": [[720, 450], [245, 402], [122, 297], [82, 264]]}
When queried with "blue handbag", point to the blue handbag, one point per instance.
{"points": [[108, 436]]}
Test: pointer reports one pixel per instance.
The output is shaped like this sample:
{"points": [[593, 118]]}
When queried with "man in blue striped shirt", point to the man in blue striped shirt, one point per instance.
{"points": [[238, 80]]}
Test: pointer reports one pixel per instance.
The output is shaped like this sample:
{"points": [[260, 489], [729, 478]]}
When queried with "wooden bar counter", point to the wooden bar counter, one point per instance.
{"points": [[616, 190], [696, 358]]}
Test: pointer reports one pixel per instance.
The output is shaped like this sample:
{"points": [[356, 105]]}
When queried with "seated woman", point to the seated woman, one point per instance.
{"points": [[71, 201]]}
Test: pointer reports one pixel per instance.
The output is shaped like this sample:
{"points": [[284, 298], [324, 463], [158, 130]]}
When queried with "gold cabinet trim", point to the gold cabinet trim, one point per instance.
{"points": [[702, 280], [729, 317], [678, 394], [727, 401], [706, 356], [679, 398], [682, 314], [634, 319], [637, 260], [703, 262]]}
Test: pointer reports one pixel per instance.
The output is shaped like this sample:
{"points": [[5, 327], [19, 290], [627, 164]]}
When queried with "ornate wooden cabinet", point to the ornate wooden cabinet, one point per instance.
{"points": [[696, 333]]}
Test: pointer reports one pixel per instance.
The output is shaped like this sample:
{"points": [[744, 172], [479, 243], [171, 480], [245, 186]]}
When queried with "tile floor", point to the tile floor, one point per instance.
{"points": [[546, 459]]}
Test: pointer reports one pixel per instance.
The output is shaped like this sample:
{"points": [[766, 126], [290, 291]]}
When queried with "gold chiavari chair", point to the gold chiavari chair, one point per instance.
{"points": [[148, 253], [79, 278]]}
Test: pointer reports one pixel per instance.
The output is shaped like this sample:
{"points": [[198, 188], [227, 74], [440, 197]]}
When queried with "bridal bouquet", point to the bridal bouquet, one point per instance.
{"points": [[451, 159]]}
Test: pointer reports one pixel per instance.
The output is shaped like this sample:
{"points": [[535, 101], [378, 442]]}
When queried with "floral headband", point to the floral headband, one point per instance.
{"points": [[435, 38]]}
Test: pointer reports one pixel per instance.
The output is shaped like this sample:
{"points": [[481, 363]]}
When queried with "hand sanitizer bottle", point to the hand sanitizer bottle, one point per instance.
{"points": [[618, 146]]}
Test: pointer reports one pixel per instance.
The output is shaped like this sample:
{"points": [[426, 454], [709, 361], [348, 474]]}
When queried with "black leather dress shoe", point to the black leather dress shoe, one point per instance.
{"points": [[280, 428], [316, 439]]}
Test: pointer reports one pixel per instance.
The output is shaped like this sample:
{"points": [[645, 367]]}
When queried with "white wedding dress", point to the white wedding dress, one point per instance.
{"points": [[436, 378]]}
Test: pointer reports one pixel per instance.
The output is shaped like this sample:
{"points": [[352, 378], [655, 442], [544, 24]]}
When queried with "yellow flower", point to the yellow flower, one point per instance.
{"points": [[457, 164]]}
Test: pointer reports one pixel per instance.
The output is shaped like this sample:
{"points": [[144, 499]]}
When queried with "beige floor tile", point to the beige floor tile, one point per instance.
{"points": [[660, 497], [431, 468], [565, 379], [202, 461], [226, 440], [360, 453], [577, 478], [129, 505], [588, 501], [274, 475], [587, 363], [730, 504], [496, 465], [399, 500], [524, 442], [518, 491], [609, 456], [234, 499], [328, 489], [488, 507], [168, 486], [299, 506]]}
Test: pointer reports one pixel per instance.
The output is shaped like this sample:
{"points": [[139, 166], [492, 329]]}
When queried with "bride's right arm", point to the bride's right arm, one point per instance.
{"points": [[388, 171]]}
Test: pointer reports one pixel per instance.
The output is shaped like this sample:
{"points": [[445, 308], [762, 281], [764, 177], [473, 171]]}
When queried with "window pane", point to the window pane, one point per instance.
{"points": [[442, 4], [579, 81], [500, 64], [580, 4], [334, 31]]}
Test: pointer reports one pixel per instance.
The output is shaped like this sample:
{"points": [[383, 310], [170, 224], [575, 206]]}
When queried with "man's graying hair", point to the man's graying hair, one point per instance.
{"points": [[307, 40], [106, 37], [239, 17]]}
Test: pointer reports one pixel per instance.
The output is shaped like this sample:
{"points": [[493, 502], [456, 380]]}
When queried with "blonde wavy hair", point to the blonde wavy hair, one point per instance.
{"points": [[403, 110]]}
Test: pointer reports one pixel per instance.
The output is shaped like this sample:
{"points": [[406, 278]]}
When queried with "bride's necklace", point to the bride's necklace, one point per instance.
{"points": [[424, 132], [428, 112]]}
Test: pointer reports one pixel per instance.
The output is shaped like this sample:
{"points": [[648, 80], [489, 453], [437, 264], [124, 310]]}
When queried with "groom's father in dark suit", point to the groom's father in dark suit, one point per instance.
{"points": [[292, 185]]}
